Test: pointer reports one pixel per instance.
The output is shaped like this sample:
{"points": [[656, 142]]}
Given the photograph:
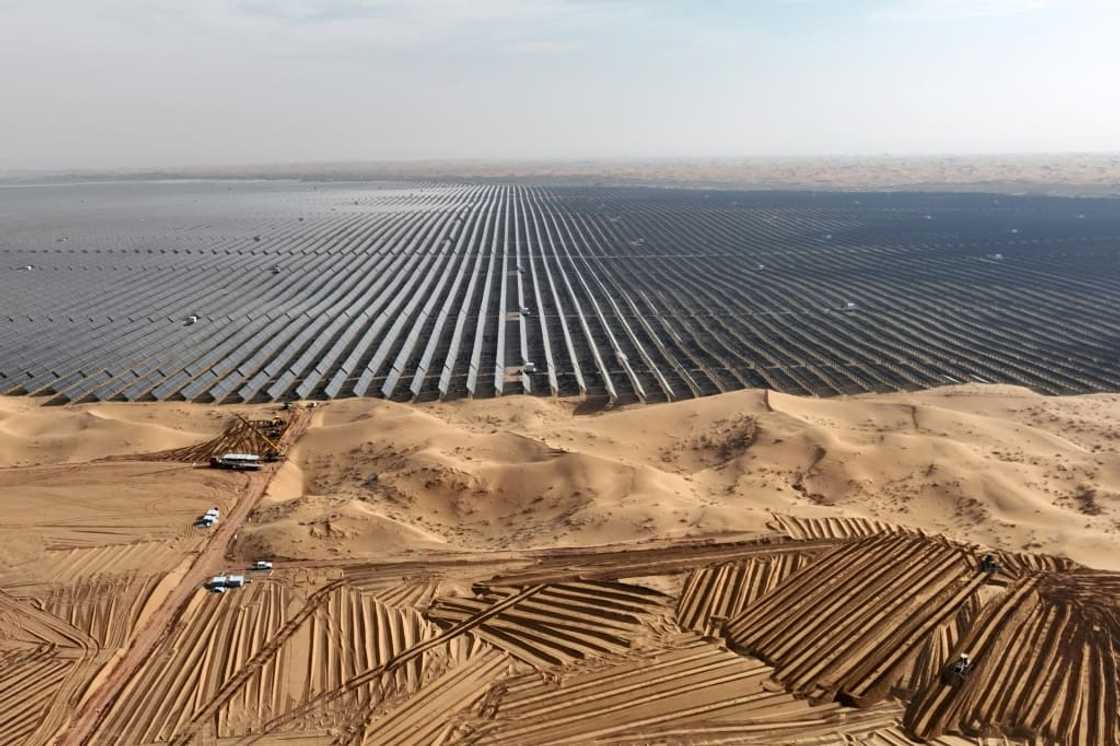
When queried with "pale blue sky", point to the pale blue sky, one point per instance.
{"points": [[138, 83]]}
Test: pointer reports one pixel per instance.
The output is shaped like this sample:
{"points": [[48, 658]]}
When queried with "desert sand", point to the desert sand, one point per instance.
{"points": [[1055, 173], [746, 568], [996, 465]]}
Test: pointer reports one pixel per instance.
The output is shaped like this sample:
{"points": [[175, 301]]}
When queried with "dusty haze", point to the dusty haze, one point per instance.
{"points": [[124, 83]]}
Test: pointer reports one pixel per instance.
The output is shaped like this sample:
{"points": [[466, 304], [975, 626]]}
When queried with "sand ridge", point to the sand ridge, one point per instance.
{"points": [[1000, 466], [33, 434]]}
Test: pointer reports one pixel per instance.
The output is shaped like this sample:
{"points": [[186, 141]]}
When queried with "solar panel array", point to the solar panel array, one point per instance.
{"points": [[254, 292]]}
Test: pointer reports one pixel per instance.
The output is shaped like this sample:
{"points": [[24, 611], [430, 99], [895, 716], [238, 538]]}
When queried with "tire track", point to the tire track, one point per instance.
{"points": [[563, 567], [1045, 657], [81, 628], [563, 622], [366, 677], [30, 682], [430, 716], [847, 623], [68, 566], [683, 691], [107, 609], [27, 622], [267, 652], [712, 595], [803, 529]]}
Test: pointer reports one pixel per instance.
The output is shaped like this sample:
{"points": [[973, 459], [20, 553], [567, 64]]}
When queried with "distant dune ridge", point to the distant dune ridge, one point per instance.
{"points": [[998, 465], [1053, 173]]}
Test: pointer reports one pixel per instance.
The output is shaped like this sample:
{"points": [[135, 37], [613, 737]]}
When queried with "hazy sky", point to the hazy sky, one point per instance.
{"points": [[137, 83]]}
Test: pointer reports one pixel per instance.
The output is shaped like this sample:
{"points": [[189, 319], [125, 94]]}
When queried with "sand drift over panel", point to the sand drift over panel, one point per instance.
{"points": [[256, 291]]}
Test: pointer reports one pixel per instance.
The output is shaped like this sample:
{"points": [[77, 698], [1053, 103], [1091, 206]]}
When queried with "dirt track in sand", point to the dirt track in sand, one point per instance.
{"points": [[208, 563]]}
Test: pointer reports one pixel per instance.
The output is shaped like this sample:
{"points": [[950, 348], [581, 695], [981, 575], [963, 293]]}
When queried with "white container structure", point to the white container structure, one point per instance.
{"points": [[236, 461], [235, 581]]}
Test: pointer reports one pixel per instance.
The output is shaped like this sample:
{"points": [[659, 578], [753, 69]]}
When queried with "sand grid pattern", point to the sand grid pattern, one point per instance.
{"points": [[844, 644], [46, 660], [563, 623]]}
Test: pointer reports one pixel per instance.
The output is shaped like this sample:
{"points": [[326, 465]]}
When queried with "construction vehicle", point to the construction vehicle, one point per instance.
{"points": [[988, 564], [957, 671]]}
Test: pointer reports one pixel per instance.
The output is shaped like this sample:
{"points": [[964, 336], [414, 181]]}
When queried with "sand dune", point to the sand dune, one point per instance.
{"points": [[996, 465], [316, 528], [33, 434]]}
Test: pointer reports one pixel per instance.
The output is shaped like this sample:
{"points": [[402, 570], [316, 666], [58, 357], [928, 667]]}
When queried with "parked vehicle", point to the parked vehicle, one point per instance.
{"points": [[237, 461]]}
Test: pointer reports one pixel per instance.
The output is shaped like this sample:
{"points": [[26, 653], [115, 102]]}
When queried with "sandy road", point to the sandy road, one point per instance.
{"points": [[210, 561]]}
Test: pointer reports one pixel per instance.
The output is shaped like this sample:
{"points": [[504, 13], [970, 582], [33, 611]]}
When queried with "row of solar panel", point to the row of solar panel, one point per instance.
{"points": [[378, 310]]}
